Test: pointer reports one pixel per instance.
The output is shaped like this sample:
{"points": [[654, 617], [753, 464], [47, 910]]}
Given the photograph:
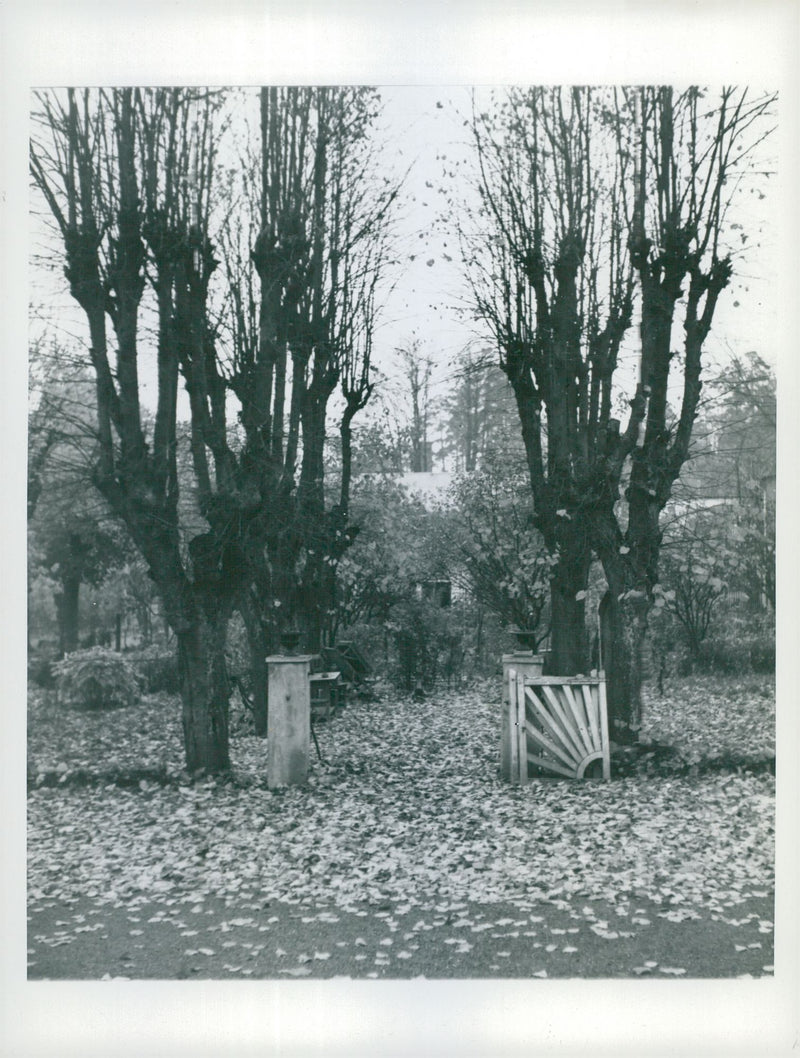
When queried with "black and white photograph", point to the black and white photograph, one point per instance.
{"points": [[401, 502]]}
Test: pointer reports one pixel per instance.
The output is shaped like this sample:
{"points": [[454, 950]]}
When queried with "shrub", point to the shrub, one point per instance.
{"points": [[95, 679], [735, 655], [431, 644], [747, 644], [744, 643], [157, 669], [419, 629], [40, 670]]}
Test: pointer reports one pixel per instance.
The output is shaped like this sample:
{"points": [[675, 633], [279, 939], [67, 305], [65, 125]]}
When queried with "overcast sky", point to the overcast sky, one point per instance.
{"points": [[424, 135], [427, 125]]}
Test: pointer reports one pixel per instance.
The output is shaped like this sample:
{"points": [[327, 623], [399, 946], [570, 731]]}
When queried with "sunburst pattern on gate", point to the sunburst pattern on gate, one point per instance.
{"points": [[559, 724]]}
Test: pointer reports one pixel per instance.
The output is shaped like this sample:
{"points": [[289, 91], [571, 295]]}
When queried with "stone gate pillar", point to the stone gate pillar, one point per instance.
{"points": [[288, 719]]}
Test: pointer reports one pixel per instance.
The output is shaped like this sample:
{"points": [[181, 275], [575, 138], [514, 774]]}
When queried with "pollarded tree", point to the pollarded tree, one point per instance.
{"points": [[594, 201], [129, 179], [305, 258], [551, 276], [126, 176], [693, 154]]}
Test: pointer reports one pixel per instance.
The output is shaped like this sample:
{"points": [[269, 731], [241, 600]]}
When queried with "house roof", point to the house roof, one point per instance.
{"points": [[429, 486]]}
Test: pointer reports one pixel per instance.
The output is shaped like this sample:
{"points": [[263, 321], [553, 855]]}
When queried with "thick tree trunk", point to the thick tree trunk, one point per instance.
{"points": [[145, 626], [623, 626], [67, 601], [258, 641], [204, 692], [260, 680], [315, 598], [479, 639], [310, 622], [569, 646]]}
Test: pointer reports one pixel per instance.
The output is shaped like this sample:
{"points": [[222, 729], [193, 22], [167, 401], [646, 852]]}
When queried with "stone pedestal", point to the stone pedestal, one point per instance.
{"points": [[524, 663], [289, 719]]}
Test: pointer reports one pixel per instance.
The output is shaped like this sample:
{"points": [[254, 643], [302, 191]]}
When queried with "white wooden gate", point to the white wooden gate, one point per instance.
{"points": [[558, 723]]}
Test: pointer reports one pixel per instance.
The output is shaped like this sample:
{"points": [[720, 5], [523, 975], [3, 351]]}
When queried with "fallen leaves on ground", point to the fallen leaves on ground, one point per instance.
{"points": [[708, 718], [407, 812]]}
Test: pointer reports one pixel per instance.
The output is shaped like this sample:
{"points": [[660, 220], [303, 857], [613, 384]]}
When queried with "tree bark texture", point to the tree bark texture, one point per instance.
{"points": [[260, 645], [623, 627], [204, 694], [569, 645], [67, 601]]}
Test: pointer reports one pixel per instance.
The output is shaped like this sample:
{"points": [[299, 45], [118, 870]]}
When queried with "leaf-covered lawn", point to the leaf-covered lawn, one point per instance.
{"points": [[706, 717], [405, 821]]}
